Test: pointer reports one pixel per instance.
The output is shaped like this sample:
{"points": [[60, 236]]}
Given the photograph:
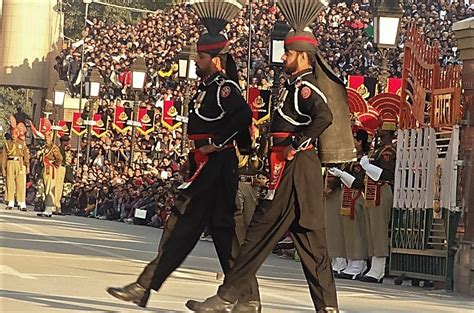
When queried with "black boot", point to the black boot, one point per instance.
{"points": [[133, 292], [328, 310], [343, 275], [214, 304], [369, 279], [252, 306], [42, 214]]}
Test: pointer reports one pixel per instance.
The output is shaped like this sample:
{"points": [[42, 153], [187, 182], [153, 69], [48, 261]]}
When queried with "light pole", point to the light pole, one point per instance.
{"points": [[92, 92], [277, 50], [186, 71], [138, 82], [81, 86], [249, 52], [386, 33], [59, 93]]}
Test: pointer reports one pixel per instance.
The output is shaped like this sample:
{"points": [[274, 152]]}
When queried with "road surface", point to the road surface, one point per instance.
{"points": [[64, 264]]}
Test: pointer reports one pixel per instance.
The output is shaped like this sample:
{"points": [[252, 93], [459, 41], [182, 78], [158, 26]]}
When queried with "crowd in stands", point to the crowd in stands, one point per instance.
{"points": [[107, 186], [344, 31], [112, 188]]}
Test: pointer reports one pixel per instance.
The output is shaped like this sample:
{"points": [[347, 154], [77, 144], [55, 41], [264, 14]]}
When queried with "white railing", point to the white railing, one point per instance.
{"points": [[426, 172]]}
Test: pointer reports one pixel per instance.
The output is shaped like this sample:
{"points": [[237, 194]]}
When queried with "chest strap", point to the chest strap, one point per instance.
{"points": [[220, 81]]}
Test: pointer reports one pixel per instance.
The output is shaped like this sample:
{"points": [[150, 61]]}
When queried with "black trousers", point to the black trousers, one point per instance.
{"points": [[210, 200], [270, 222]]}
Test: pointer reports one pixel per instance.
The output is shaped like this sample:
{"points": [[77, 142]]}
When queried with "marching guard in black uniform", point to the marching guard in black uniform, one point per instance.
{"points": [[295, 197], [218, 115]]}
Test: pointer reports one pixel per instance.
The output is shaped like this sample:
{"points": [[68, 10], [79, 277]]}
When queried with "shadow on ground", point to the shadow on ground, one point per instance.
{"points": [[74, 304]]}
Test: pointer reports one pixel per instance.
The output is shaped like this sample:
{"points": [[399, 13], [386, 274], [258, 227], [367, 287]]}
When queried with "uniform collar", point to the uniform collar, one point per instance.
{"points": [[293, 78], [211, 78]]}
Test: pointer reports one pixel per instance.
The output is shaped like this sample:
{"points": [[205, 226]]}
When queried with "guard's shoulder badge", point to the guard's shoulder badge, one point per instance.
{"points": [[225, 91], [387, 155], [357, 168], [305, 92]]}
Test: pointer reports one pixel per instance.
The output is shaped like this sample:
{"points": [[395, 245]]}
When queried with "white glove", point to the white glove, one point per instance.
{"points": [[346, 178], [371, 170], [364, 162], [334, 171]]}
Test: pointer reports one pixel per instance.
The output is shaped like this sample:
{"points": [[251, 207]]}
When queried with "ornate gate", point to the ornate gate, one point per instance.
{"points": [[425, 209]]}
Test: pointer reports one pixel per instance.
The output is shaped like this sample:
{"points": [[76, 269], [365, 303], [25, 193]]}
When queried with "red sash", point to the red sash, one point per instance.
{"points": [[277, 167], [49, 166], [277, 164], [200, 136], [201, 161], [348, 201], [282, 135]]}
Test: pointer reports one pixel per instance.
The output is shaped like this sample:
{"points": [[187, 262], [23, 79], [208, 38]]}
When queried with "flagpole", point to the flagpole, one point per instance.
{"points": [[249, 56]]}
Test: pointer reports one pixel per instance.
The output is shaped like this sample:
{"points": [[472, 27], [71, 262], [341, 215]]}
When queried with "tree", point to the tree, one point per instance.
{"points": [[74, 13], [10, 100]]}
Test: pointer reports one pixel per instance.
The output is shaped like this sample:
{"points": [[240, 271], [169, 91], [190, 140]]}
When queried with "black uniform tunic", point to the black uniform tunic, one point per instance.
{"points": [[312, 116], [221, 116]]}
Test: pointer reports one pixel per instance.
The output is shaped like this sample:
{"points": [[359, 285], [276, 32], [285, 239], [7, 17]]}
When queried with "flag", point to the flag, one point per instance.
{"points": [[77, 44], [147, 119], [36, 133], [100, 129], [172, 110], [45, 127], [394, 85], [121, 117], [78, 126], [259, 102], [365, 86], [65, 129]]}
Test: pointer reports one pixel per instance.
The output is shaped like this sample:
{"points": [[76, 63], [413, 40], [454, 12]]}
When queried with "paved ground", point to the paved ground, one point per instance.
{"points": [[65, 263]]}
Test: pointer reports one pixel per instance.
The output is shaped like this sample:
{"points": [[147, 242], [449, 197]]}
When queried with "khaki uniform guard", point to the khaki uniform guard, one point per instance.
{"points": [[52, 159], [352, 213], [61, 173], [15, 165]]}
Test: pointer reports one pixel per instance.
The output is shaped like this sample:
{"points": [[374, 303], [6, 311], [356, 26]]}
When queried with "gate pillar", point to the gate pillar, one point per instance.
{"points": [[464, 261]]}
